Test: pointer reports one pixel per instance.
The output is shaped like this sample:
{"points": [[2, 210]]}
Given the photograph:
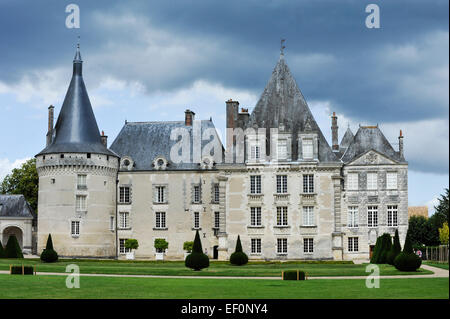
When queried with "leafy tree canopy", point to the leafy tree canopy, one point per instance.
{"points": [[23, 180]]}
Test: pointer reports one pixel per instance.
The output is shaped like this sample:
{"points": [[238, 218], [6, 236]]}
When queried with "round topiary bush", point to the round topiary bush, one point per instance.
{"points": [[238, 258], [197, 260], [407, 262]]}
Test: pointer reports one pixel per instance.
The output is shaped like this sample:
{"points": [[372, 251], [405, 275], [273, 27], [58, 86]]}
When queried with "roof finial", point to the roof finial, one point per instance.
{"points": [[282, 47], [78, 54]]}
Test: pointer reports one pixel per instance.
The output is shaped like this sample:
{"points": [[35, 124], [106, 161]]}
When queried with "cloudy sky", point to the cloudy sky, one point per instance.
{"points": [[150, 60]]}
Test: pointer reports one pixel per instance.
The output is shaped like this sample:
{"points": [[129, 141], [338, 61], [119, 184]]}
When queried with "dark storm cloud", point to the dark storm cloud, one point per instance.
{"points": [[379, 75]]}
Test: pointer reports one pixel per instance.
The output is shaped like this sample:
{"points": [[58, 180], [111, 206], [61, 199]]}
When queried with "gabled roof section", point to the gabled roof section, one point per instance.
{"points": [[15, 206], [370, 138], [283, 103], [76, 129], [347, 138], [145, 141]]}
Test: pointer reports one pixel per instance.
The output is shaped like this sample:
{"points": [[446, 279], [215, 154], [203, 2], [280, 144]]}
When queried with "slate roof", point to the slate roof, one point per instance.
{"points": [[283, 103], [145, 141], [15, 206], [76, 129], [370, 138], [346, 139]]}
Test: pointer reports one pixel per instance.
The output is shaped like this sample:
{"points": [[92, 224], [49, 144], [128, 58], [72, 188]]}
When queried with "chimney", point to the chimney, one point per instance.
{"points": [[334, 132], [104, 139], [232, 113], [51, 109], [400, 144], [188, 117]]}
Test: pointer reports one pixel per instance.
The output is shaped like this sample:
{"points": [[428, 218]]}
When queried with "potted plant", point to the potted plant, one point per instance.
{"points": [[160, 245], [187, 247], [131, 244]]}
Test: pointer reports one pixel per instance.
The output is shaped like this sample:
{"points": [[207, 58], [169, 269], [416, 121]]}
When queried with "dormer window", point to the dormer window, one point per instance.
{"points": [[308, 148], [282, 149], [127, 163], [160, 163]]}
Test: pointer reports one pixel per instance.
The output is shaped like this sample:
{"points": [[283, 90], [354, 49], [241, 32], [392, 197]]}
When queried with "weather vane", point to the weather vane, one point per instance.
{"points": [[282, 47]]}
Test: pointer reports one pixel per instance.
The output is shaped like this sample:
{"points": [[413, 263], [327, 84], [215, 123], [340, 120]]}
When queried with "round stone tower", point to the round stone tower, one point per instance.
{"points": [[77, 179]]}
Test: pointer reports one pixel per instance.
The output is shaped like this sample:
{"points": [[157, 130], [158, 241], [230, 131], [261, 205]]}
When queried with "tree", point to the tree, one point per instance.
{"points": [[161, 245], [187, 246], [197, 260], [441, 212], [23, 180], [133, 243], [423, 231], [49, 255], [12, 249], [382, 248], [407, 260], [238, 257], [443, 234], [395, 249]]}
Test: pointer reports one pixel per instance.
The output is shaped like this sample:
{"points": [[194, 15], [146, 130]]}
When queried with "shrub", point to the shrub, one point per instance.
{"points": [[395, 249], [2, 251], [294, 274], [49, 255], [238, 258], [407, 260], [17, 270], [131, 244], [197, 260], [382, 247], [187, 246], [12, 249]]}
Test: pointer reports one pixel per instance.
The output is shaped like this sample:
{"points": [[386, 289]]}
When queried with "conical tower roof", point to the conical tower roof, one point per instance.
{"points": [[283, 103], [347, 138], [76, 129]]}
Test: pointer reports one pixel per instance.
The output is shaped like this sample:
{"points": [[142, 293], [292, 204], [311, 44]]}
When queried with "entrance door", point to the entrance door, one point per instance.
{"points": [[215, 252], [371, 247]]}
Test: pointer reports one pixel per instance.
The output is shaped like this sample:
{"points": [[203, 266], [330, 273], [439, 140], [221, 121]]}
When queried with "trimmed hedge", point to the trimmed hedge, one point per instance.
{"points": [[407, 260], [2, 251], [197, 260], [382, 247], [395, 249], [238, 258], [12, 249], [294, 274], [17, 270], [49, 255]]}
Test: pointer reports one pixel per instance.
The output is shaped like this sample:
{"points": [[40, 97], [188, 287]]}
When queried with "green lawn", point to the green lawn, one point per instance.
{"points": [[177, 268], [17, 286], [436, 264]]}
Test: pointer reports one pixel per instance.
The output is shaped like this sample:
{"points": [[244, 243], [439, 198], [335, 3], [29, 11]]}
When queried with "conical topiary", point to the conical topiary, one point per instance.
{"points": [[407, 248], [407, 260], [382, 247], [49, 255], [2, 251], [12, 249], [238, 258], [395, 249], [197, 260]]}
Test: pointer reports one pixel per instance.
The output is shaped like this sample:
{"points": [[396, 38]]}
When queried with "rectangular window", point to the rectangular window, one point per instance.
{"points": [[197, 194], [216, 193], [255, 216], [352, 181], [81, 203], [256, 245], [372, 182], [308, 216], [372, 216], [196, 220], [308, 183], [160, 194], [307, 147], [160, 220], [124, 220], [81, 181], [353, 244], [124, 195], [111, 223], [282, 245], [391, 180], [281, 184], [352, 216], [282, 149], [282, 217], [122, 248], [255, 152], [217, 220], [255, 184], [392, 211], [308, 245], [75, 228]]}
